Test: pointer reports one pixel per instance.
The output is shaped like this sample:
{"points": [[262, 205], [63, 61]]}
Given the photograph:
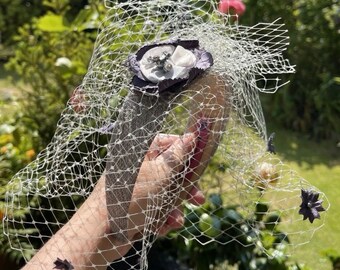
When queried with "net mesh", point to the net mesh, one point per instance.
{"points": [[112, 156]]}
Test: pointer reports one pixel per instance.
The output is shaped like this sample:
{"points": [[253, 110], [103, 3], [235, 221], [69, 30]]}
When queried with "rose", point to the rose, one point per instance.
{"points": [[232, 7], [165, 66]]}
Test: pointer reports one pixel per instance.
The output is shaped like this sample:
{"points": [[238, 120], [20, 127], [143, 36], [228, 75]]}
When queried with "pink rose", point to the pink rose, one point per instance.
{"points": [[232, 7]]}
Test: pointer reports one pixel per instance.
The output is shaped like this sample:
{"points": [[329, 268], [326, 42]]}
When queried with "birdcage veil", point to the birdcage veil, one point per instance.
{"points": [[118, 111]]}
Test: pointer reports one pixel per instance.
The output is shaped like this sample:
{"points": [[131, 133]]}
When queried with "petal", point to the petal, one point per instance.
{"points": [[305, 216], [144, 85], [304, 211], [303, 205], [315, 197], [304, 195], [187, 44], [155, 75], [170, 84], [133, 64], [205, 59], [311, 218], [193, 73], [180, 72], [319, 207], [315, 213], [183, 57]]}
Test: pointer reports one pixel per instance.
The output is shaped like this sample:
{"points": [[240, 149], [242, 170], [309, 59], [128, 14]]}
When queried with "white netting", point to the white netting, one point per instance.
{"points": [[102, 177]]}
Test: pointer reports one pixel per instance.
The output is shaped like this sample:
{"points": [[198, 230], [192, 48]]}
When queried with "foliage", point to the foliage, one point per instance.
{"points": [[51, 56], [334, 257], [14, 13], [225, 224], [311, 102], [15, 152]]}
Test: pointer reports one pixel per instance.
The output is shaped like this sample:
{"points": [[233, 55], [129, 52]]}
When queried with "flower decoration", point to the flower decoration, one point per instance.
{"points": [[163, 66], [232, 7], [62, 264], [266, 175], [270, 144], [311, 205]]}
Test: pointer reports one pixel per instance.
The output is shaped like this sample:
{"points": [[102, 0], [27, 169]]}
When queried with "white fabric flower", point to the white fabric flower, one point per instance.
{"points": [[167, 62]]}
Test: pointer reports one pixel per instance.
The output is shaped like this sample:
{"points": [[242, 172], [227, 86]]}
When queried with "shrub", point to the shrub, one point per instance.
{"points": [[311, 102], [14, 13], [51, 57], [226, 224]]}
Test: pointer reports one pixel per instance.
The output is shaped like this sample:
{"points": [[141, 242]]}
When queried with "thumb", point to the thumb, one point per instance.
{"points": [[178, 153]]}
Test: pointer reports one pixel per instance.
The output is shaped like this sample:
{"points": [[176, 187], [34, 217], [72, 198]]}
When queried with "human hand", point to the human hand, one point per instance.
{"points": [[161, 182]]}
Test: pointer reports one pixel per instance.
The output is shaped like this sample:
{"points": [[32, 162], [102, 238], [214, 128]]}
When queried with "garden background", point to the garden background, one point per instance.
{"points": [[45, 47]]}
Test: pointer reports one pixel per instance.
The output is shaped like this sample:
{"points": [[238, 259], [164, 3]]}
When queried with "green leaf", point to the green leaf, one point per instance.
{"points": [[261, 210], [231, 216], [272, 221], [216, 200], [210, 225], [337, 80], [52, 23], [86, 19], [74, 135]]}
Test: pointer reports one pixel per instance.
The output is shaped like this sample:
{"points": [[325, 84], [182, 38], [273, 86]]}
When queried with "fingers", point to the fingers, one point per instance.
{"points": [[160, 144], [166, 159], [176, 156], [175, 220], [196, 196]]}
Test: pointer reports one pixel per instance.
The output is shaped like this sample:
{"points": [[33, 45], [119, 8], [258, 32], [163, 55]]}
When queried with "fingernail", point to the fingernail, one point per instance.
{"points": [[180, 220], [196, 197], [188, 139], [199, 197], [175, 219]]}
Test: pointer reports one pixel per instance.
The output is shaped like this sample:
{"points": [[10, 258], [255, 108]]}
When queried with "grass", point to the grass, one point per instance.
{"points": [[319, 163]]}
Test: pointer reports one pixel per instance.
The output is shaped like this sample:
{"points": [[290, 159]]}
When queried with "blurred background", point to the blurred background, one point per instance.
{"points": [[45, 48]]}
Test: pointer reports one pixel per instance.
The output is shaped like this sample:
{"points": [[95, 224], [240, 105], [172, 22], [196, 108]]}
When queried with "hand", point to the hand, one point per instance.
{"points": [[85, 240], [161, 182]]}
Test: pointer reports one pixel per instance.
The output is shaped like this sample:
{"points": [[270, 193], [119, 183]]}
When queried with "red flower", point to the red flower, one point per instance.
{"points": [[232, 7]]}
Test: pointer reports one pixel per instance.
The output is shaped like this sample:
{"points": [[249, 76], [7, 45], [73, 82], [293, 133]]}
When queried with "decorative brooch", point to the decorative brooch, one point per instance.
{"points": [[311, 205], [164, 66]]}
